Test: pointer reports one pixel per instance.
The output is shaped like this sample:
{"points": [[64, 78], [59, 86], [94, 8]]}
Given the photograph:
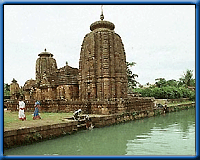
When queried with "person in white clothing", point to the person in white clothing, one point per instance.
{"points": [[22, 115]]}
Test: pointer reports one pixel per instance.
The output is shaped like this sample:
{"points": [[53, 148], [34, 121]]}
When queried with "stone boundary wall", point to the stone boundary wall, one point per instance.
{"points": [[24, 136], [140, 104], [94, 107], [177, 100], [178, 107], [49, 106], [164, 101]]}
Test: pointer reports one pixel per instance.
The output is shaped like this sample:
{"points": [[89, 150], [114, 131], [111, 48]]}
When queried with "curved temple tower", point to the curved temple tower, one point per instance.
{"points": [[102, 64], [99, 86], [45, 66]]}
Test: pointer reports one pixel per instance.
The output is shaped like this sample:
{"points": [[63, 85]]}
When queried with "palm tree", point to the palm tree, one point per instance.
{"points": [[187, 79]]}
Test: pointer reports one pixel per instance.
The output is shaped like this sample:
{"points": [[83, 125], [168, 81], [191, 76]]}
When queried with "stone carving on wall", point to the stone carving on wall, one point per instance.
{"points": [[101, 74], [52, 83], [14, 90], [99, 86], [102, 64]]}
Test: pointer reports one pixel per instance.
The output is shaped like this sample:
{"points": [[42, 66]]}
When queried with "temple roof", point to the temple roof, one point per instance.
{"points": [[102, 24], [45, 54]]}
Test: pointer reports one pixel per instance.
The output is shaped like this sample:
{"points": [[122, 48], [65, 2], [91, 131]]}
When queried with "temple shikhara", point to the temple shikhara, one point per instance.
{"points": [[102, 64], [99, 86], [52, 83]]}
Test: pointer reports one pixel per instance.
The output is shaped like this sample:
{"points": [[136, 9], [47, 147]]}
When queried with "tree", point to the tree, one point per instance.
{"points": [[172, 82], [187, 80], [170, 89], [161, 82], [6, 90], [6, 87], [131, 77], [193, 82]]}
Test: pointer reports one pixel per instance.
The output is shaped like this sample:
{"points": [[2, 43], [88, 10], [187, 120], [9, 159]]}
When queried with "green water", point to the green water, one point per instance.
{"points": [[170, 134]]}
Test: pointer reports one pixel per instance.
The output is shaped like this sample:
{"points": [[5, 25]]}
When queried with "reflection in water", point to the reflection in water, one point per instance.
{"points": [[170, 134], [169, 141]]}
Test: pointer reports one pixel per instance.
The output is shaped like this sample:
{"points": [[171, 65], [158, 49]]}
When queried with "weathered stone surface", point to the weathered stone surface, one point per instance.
{"points": [[10, 133], [102, 64], [23, 131], [51, 83], [14, 137], [99, 86], [14, 90]]}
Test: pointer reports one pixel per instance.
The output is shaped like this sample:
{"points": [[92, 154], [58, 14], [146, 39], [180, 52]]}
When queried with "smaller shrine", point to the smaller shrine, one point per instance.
{"points": [[52, 83], [99, 86], [14, 90]]}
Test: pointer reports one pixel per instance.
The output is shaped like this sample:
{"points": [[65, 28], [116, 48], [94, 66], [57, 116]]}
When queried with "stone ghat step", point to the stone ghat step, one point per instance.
{"points": [[81, 125], [69, 118], [81, 118]]}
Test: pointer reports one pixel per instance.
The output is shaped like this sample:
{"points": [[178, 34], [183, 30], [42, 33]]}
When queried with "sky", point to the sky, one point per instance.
{"points": [[160, 39]]}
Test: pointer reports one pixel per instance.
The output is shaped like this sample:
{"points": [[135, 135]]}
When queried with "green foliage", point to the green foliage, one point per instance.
{"points": [[6, 93], [169, 92], [131, 77], [186, 79], [6, 87], [6, 90], [170, 89], [172, 82], [192, 82], [161, 82]]}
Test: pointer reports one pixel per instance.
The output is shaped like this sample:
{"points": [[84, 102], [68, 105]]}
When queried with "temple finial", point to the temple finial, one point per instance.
{"points": [[45, 49], [102, 16]]}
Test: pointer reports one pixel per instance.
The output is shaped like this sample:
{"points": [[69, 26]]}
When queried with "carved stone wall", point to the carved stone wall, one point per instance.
{"points": [[14, 89], [102, 64], [68, 92], [45, 66], [52, 83], [94, 107], [29, 92], [98, 87]]}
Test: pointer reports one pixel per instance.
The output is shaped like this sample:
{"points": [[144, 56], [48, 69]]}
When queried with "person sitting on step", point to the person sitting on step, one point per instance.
{"points": [[76, 114]]}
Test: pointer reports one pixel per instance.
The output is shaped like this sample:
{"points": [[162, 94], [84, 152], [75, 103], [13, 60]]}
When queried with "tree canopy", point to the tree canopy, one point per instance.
{"points": [[186, 79], [131, 76], [170, 89]]}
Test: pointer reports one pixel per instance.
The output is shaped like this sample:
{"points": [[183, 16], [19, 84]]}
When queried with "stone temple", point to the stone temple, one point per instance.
{"points": [[99, 86], [102, 64], [52, 83]]}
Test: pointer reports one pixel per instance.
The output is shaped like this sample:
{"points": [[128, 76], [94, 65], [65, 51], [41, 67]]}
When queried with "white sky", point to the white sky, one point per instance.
{"points": [[159, 38]]}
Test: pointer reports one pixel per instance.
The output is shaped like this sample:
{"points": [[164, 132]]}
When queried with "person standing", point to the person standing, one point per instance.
{"points": [[36, 112], [22, 115]]}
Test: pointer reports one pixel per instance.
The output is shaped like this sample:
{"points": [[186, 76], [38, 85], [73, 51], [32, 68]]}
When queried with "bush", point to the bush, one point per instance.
{"points": [[192, 96], [168, 92]]}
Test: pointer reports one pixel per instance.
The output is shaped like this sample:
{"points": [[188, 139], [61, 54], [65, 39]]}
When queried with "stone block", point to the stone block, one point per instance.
{"points": [[23, 131], [10, 133]]}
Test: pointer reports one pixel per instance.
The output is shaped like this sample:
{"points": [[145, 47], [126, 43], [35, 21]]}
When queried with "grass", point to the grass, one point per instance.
{"points": [[11, 120], [175, 104]]}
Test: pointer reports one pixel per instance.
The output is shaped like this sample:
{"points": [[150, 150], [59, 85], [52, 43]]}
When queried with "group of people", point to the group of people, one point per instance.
{"points": [[22, 115], [36, 114]]}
